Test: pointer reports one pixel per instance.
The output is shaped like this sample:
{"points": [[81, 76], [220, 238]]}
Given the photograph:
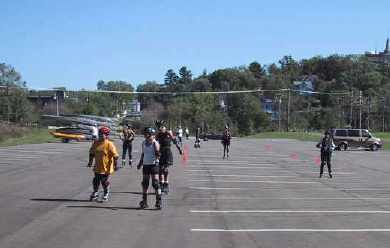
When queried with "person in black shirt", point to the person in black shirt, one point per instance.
{"points": [[127, 138], [165, 137], [226, 137], [327, 146]]}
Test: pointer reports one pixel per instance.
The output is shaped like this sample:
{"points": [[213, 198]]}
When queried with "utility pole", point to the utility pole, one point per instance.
{"points": [[360, 109], [351, 109], [288, 110], [383, 113], [58, 113], [280, 111], [56, 98], [8, 107], [369, 111]]}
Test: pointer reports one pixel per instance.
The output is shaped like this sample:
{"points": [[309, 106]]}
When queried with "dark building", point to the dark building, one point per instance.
{"points": [[381, 57], [48, 102]]}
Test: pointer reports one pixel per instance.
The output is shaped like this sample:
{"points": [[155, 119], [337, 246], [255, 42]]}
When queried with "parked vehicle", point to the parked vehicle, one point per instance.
{"points": [[345, 138], [212, 136]]}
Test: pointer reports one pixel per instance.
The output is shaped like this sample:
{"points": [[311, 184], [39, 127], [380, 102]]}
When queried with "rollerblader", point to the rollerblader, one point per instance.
{"points": [[179, 134], [150, 163], [187, 133], [106, 158], [127, 138], [197, 138], [95, 132], [226, 137], [327, 146], [165, 138]]}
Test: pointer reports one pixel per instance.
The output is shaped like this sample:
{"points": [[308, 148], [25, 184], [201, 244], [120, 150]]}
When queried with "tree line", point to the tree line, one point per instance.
{"points": [[366, 87]]}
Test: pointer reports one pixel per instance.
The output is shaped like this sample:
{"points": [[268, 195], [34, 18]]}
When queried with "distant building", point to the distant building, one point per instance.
{"points": [[305, 87], [134, 110], [270, 107], [381, 57], [48, 102]]}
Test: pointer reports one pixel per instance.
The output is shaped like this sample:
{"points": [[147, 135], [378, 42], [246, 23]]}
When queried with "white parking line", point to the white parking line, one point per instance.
{"points": [[248, 176], [246, 181], [217, 161], [16, 159], [237, 167], [291, 198], [292, 230], [206, 188], [18, 156], [256, 188], [334, 173], [31, 152], [294, 211]]}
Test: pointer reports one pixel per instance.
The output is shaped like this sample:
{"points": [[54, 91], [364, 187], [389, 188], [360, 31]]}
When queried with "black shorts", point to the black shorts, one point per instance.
{"points": [[226, 142], [150, 169], [166, 158]]}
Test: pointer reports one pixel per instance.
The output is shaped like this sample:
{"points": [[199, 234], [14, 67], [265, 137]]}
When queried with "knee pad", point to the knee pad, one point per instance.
{"points": [[155, 184], [145, 183]]}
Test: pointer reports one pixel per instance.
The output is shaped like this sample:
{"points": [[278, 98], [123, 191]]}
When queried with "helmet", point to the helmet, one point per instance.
{"points": [[104, 130], [149, 130], [159, 123]]}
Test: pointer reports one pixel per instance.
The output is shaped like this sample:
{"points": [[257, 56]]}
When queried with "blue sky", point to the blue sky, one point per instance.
{"points": [[75, 43]]}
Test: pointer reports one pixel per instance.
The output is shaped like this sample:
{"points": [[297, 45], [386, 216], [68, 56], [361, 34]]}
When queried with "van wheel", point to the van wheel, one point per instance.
{"points": [[343, 147], [374, 147]]}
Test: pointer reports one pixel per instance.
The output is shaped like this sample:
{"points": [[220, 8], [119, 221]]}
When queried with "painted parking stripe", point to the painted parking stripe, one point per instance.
{"points": [[294, 211], [291, 230], [253, 181], [248, 176], [238, 167], [293, 198], [258, 189]]}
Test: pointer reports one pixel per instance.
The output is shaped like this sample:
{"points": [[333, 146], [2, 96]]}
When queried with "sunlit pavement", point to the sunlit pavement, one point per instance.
{"points": [[267, 194]]}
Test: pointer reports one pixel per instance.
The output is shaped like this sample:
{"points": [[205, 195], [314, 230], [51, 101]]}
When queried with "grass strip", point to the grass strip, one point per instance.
{"points": [[32, 136]]}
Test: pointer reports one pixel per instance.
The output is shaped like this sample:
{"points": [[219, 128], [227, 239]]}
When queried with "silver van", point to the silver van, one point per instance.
{"points": [[344, 138]]}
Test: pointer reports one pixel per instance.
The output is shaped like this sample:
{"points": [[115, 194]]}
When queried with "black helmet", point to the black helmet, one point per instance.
{"points": [[159, 123], [327, 132], [149, 130]]}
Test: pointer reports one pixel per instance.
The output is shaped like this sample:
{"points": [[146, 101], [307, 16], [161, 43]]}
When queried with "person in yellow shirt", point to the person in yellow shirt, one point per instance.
{"points": [[106, 158]]}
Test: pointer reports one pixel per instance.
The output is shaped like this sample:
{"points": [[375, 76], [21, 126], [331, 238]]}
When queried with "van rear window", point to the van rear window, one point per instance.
{"points": [[354, 133], [341, 132]]}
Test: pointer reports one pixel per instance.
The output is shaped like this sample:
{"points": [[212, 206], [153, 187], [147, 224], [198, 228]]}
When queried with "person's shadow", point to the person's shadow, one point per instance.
{"points": [[113, 208], [58, 200]]}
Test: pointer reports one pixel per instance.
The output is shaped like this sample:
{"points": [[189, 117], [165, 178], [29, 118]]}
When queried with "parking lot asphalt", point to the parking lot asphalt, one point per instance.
{"points": [[267, 194]]}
